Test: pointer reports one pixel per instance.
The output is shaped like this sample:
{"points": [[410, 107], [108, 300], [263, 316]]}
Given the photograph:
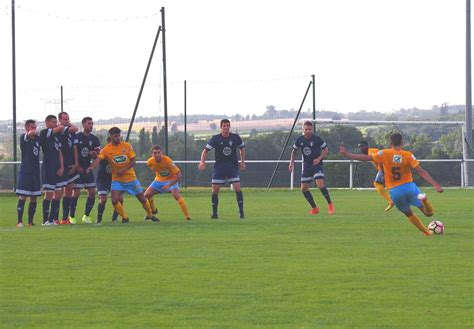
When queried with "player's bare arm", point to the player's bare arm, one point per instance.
{"points": [[131, 164], [353, 156], [94, 164], [177, 178], [427, 177], [60, 171], [243, 166], [292, 160], [202, 163], [324, 153]]}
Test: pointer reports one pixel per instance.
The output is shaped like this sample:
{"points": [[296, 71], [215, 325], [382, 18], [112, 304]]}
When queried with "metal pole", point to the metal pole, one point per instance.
{"points": [[468, 129], [314, 102], [351, 181], [143, 84], [165, 86], [289, 135], [15, 157], [62, 100], [185, 136]]}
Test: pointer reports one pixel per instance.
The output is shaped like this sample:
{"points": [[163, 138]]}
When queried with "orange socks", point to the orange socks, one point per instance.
{"points": [[120, 210], [146, 206], [418, 223], [383, 192], [184, 207]]}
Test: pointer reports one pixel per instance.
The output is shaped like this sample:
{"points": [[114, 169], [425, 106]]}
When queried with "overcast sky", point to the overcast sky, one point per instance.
{"points": [[237, 56]]}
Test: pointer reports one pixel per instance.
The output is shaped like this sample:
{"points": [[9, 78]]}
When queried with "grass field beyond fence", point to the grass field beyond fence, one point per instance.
{"points": [[280, 267]]}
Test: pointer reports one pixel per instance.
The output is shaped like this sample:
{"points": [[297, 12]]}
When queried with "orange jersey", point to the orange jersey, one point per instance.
{"points": [[165, 169], [371, 151], [119, 156], [397, 165]]}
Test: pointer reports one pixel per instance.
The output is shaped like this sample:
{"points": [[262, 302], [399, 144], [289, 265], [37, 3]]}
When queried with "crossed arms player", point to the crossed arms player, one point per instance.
{"points": [[397, 164]]}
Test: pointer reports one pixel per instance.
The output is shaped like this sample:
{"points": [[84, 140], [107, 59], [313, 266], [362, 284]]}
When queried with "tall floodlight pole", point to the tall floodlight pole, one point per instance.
{"points": [[14, 93], [185, 134], [469, 166], [165, 87]]}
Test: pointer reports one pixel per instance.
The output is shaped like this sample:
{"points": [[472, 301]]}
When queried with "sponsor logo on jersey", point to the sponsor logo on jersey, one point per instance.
{"points": [[108, 169], [120, 158], [85, 152], [307, 151], [35, 150], [397, 158], [227, 151], [164, 173]]}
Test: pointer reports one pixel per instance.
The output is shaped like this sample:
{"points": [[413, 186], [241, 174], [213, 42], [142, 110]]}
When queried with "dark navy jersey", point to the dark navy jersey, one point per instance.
{"points": [[50, 145], [311, 147], [104, 174], [30, 149], [68, 140], [225, 149], [85, 144]]}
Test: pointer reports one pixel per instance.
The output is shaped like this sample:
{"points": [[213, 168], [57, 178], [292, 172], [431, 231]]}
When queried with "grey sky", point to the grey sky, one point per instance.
{"points": [[238, 56]]}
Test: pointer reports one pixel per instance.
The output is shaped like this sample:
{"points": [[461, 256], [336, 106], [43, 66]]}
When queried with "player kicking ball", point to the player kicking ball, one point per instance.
{"points": [[397, 164], [166, 180], [121, 158]]}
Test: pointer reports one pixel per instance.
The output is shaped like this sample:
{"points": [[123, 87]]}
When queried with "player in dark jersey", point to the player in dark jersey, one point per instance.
{"points": [[69, 149], [226, 167], [29, 184], [52, 170], [104, 182], [88, 146], [314, 150]]}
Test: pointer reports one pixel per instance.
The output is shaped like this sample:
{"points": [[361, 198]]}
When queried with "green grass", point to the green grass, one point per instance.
{"points": [[280, 267]]}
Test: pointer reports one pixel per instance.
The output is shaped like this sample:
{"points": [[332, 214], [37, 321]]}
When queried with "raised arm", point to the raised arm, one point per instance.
{"points": [[353, 156]]}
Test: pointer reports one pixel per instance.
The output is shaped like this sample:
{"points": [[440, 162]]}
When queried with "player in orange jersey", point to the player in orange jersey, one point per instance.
{"points": [[397, 164], [379, 181], [121, 158], [166, 179]]}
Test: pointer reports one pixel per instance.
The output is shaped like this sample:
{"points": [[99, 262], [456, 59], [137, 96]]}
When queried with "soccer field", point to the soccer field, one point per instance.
{"points": [[280, 267]]}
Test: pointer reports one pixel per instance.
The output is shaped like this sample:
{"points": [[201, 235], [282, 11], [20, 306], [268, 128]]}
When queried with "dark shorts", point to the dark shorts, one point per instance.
{"points": [[29, 184], [68, 179], [312, 172], [85, 181], [222, 174], [379, 177], [103, 186], [51, 181]]}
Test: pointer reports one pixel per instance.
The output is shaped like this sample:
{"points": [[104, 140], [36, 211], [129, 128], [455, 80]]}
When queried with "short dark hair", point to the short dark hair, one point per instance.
{"points": [[224, 121], [114, 131], [396, 139], [308, 123], [155, 147], [60, 114], [50, 117], [85, 119], [363, 143], [29, 122]]}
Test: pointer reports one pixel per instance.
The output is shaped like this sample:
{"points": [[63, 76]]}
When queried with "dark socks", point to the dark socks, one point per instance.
{"points": [[309, 197], [54, 213], [31, 212], [19, 209], [214, 202], [66, 207], [325, 193], [72, 211], [89, 204], [115, 215], [46, 205], [100, 211], [240, 202]]}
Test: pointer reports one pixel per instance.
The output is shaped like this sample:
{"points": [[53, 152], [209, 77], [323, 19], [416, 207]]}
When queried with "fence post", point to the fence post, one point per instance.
{"points": [[292, 179], [462, 173], [350, 175]]}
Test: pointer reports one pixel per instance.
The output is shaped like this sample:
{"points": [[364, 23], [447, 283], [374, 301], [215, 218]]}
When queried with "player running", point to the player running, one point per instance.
{"points": [[121, 158], [226, 166], [314, 150], [88, 146], [379, 181], [397, 164], [29, 184], [52, 170], [166, 180]]}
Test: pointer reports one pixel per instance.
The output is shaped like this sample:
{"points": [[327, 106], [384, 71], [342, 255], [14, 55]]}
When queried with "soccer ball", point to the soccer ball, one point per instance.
{"points": [[436, 227]]}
